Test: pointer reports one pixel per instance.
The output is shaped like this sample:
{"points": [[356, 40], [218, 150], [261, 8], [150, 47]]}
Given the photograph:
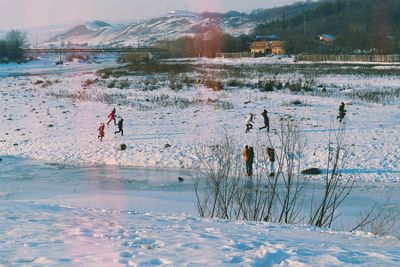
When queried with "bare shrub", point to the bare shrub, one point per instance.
{"points": [[175, 84], [378, 95], [111, 84], [46, 83], [269, 85], [123, 84], [296, 102], [219, 183], [104, 73], [89, 82], [164, 100], [336, 187], [214, 85], [85, 96], [309, 81], [295, 86], [235, 83], [223, 191], [380, 220], [223, 104], [287, 185]]}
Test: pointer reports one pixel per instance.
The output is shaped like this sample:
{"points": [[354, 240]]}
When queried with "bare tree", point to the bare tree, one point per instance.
{"points": [[289, 164], [218, 181], [336, 187], [222, 191]]}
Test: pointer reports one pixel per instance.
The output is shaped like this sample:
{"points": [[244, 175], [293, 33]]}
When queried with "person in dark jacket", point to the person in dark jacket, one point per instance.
{"points": [[342, 112], [266, 120], [271, 156], [111, 117], [120, 126], [251, 160]]}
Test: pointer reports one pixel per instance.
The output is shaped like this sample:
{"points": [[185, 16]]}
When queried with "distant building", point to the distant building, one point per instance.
{"points": [[277, 47], [269, 37], [327, 38], [267, 47], [259, 47]]}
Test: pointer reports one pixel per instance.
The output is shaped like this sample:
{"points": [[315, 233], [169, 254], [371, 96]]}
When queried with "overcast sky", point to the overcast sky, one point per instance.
{"points": [[15, 14]]}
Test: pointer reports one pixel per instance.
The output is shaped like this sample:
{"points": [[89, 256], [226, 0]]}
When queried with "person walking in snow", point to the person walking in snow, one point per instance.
{"points": [[101, 131], [251, 159], [266, 120], [249, 122], [246, 157], [111, 117], [271, 156], [342, 112], [120, 127]]}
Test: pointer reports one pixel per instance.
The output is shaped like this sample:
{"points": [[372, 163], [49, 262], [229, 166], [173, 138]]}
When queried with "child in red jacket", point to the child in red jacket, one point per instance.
{"points": [[101, 131], [111, 117]]}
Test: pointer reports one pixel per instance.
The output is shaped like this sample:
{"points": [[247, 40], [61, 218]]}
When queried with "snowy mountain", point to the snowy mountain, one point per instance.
{"points": [[38, 35], [145, 32]]}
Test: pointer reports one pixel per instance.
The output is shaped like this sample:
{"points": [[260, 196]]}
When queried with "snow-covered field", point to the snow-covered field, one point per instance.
{"points": [[40, 126], [55, 121]]}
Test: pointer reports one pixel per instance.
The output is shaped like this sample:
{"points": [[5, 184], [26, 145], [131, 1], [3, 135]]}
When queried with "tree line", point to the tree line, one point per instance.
{"points": [[11, 47], [358, 25], [206, 44]]}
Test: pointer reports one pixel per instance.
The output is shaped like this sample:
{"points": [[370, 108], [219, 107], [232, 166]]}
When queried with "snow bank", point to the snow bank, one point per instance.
{"points": [[101, 237]]}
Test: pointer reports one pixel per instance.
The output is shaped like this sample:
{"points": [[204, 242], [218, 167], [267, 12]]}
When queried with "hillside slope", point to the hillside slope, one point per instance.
{"points": [[171, 26], [356, 24]]}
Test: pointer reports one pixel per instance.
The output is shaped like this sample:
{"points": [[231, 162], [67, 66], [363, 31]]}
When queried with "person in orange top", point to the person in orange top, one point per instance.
{"points": [[101, 131], [247, 160]]}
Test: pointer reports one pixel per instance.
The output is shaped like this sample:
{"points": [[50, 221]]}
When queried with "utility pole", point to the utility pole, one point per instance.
{"points": [[60, 58], [283, 24], [305, 23]]}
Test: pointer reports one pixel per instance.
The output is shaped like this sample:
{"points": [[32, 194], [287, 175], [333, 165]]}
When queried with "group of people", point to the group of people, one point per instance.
{"points": [[248, 153], [249, 121], [112, 117], [248, 156]]}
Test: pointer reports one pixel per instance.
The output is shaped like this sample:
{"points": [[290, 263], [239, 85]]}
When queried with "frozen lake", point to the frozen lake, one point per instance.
{"points": [[47, 65], [142, 190], [98, 187]]}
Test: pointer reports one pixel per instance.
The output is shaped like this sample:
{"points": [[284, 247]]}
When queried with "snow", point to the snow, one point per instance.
{"points": [[126, 238], [107, 216], [373, 139], [46, 218]]}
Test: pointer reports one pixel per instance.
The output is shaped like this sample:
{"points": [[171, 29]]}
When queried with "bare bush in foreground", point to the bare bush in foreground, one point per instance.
{"points": [[336, 187], [222, 190]]}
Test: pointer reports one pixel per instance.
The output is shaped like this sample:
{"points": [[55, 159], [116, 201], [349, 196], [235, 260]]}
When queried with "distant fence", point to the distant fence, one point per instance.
{"points": [[234, 55], [350, 58]]}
